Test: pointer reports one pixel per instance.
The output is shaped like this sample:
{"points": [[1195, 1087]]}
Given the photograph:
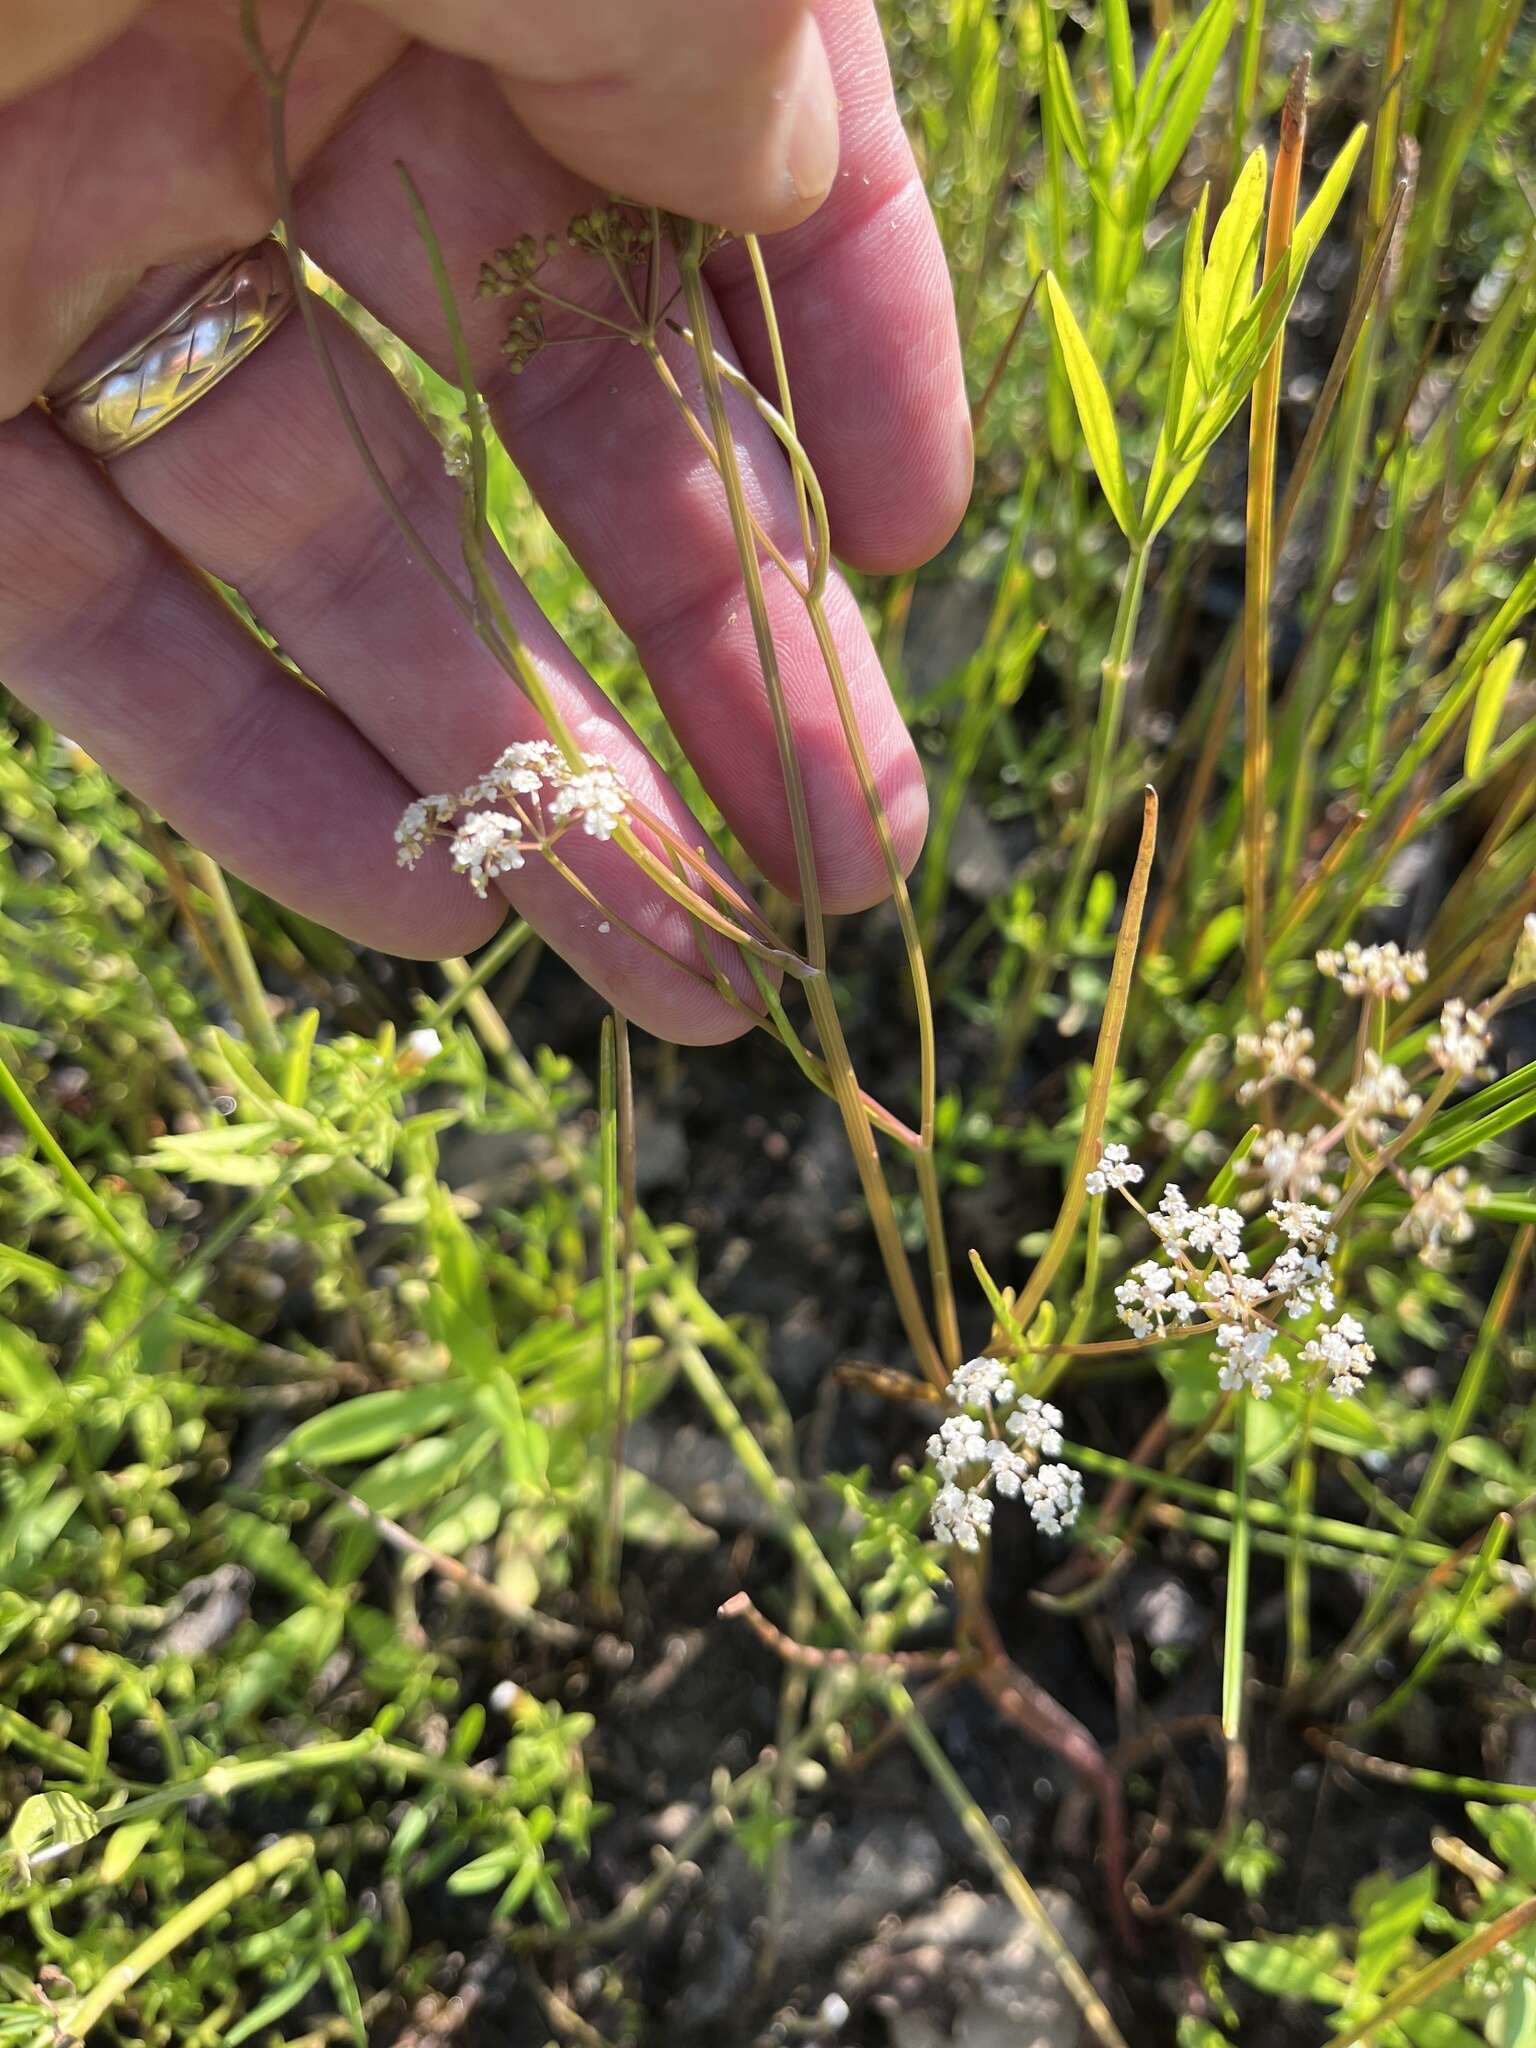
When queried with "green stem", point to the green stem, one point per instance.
{"points": [[606, 1566], [488, 962], [1417, 1990], [255, 1015], [1236, 1632], [1094, 814], [236, 1884], [1376, 1624], [1489, 1553]]}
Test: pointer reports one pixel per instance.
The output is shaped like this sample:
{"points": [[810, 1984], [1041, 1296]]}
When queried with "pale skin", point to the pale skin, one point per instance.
{"points": [[134, 156]]}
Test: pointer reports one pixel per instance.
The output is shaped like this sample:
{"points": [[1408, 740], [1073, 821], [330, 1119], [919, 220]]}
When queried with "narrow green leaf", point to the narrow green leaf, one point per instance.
{"points": [[1122, 66], [1093, 408], [1283, 1972], [1488, 705], [1389, 1924], [124, 1847], [372, 1424], [1069, 115], [1227, 287], [275, 2004], [48, 1818], [1314, 222], [1191, 280], [1185, 87]]}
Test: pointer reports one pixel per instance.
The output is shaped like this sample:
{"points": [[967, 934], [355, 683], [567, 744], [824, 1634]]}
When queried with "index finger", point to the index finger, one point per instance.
{"points": [[721, 109]]}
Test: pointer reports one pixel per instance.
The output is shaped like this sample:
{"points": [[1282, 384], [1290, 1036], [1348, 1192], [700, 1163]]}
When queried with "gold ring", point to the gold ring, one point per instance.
{"points": [[206, 337]]}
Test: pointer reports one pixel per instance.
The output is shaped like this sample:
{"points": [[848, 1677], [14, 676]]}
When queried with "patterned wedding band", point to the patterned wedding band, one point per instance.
{"points": [[207, 336]]}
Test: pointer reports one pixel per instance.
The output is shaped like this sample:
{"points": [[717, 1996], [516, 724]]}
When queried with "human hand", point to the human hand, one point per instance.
{"points": [[135, 159]]}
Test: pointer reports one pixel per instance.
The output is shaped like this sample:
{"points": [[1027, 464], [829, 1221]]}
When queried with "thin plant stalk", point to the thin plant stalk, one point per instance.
{"points": [[255, 1015], [1414, 1991], [1116, 1001], [606, 1566], [488, 963], [1234, 1643], [1378, 1609], [1262, 431], [896, 881], [181, 1926], [1492, 1548], [818, 992]]}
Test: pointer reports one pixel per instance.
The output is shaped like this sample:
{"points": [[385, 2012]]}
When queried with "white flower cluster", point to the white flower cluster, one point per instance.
{"points": [[1385, 971], [1116, 1169], [1205, 1280], [1283, 1053], [1463, 1042], [545, 796], [970, 1457], [1341, 1347], [1441, 1212], [1294, 1165], [1381, 1092]]}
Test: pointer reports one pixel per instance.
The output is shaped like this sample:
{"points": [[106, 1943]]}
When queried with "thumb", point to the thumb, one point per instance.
{"points": [[721, 109]]}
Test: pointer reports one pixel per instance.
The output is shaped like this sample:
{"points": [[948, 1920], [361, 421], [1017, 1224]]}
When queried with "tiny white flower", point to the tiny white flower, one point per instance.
{"points": [[524, 768], [1303, 1280], [1216, 1230], [418, 821], [1171, 1218], [959, 1442], [1283, 1053], [1036, 1425], [1385, 971], [1306, 1224], [423, 1044], [1009, 1470], [961, 1517], [982, 1383], [1441, 1213], [595, 796], [1248, 1359], [1116, 1169], [1055, 1496], [1343, 1349], [1292, 1165], [487, 844], [1463, 1041], [1382, 1091], [1233, 1297], [1151, 1296]]}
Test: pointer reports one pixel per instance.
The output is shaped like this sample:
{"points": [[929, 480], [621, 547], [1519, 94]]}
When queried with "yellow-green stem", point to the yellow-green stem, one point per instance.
{"points": [[1262, 431], [236, 1884]]}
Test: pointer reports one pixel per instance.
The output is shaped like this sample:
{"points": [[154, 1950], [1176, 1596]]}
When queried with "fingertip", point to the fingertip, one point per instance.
{"points": [[886, 535], [729, 117], [860, 879]]}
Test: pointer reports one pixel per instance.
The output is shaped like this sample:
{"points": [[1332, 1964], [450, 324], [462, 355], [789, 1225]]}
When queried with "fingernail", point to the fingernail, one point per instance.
{"points": [[813, 141]]}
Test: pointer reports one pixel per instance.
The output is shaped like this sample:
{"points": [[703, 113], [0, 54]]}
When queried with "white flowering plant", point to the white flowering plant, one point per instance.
{"points": [[1205, 1019]]}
